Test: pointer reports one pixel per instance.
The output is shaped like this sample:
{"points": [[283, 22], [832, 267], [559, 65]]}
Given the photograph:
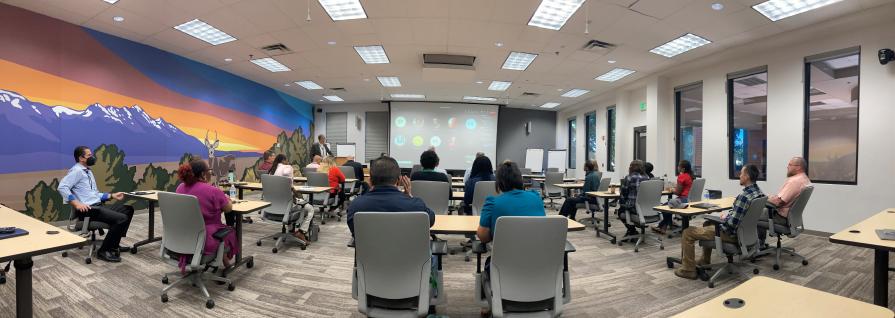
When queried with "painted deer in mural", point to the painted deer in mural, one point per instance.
{"points": [[219, 166]]}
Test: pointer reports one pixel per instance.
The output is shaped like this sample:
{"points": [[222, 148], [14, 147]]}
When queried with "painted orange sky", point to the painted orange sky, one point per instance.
{"points": [[53, 90]]}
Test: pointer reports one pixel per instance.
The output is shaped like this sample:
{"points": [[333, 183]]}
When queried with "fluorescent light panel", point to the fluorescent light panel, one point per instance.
{"points": [[417, 96], [614, 75], [553, 14], [373, 54], [550, 105], [480, 99], [309, 85], [333, 98], [780, 9], [111, 1], [205, 32], [518, 61], [340, 10], [575, 92], [499, 85], [680, 45], [389, 81], [271, 65]]}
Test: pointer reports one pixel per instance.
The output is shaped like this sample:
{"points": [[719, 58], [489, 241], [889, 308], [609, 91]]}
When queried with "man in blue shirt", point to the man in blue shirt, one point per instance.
{"points": [[79, 189], [385, 175], [512, 201]]}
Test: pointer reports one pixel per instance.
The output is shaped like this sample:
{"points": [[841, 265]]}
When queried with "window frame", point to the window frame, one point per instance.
{"points": [[573, 135], [610, 137], [731, 173], [856, 50], [588, 130], [677, 124]]}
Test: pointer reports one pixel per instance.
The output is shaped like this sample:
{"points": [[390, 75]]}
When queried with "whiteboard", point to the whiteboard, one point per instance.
{"points": [[534, 159], [345, 150], [556, 159]]}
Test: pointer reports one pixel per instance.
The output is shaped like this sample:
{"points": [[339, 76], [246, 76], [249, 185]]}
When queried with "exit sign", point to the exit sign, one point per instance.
{"points": [[642, 106]]}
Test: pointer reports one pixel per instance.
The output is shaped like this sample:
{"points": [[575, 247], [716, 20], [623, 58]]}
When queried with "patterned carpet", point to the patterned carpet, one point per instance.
{"points": [[607, 280]]}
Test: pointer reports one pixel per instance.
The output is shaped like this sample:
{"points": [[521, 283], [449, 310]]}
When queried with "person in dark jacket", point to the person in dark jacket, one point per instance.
{"points": [[385, 195]]}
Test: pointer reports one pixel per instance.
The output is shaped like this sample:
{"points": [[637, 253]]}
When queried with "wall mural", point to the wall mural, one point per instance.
{"points": [[141, 109]]}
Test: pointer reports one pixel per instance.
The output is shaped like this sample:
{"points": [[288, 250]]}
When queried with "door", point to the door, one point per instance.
{"points": [[640, 143]]}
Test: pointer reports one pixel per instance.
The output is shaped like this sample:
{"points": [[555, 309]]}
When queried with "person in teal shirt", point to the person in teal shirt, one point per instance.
{"points": [[512, 200]]}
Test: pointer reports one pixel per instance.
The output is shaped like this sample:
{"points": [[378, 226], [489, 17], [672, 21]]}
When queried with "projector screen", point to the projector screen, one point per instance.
{"points": [[456, 130]]}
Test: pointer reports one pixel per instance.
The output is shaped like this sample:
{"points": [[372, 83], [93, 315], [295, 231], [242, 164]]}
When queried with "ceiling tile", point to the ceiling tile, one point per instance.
{"points": [[165, 12], [430, 31], [132, 22], [394, 31], [264, 14]]}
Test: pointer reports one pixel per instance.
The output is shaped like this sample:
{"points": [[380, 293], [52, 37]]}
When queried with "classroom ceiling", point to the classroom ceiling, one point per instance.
{"points": [[322, 49]]}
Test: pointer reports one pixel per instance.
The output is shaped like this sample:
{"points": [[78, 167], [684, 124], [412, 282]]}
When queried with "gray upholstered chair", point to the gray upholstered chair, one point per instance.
{"points": [[349, 188], [526, 277], [282, 211], [89, 232], [415, 168], [483, 189], [323, 201], [791, 230], [435, 194], [184, 230], [746, 246], [696, 190], [306, 170], [649, 193], [551, 191], [394, 265]]}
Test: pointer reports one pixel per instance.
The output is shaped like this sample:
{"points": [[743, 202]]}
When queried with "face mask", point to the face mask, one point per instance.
{"points": [[91, 161]]}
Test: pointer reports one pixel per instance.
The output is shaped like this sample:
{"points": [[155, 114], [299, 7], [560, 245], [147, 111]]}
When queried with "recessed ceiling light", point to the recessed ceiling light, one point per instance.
{"points": [[228, 60], [271, 65], [333, 98], [309, 85], [205, 32], [553, 14], [611, 61], [111, 1], [575, 92], [287, 85], [498, 44], [481, 99], [614, 75], [343, 9], [331, 42], [479, 82], [780, 9], [717, 6], [321, 100], [389, 81], [499, 85], [416, 96], [118, 18], [550, 105], [559, 89], [373, 54], [680, 45], [518, 61]]}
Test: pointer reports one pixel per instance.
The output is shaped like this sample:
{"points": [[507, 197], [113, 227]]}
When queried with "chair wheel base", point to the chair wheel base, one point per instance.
{"points": [[165, 280], [88, 261], [274, 250], [669, 263], [776, 267], [755, 271], [164, 298], [303, 247], [231, 287], [711, 285], [64, 254], [804, 263], [258, 243], [209, 304], [250, 264], [661, 247]]}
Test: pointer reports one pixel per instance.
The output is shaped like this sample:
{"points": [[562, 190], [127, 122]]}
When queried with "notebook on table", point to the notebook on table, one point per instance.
{"points": [[704, 205], [886, 234], [17, 232]]}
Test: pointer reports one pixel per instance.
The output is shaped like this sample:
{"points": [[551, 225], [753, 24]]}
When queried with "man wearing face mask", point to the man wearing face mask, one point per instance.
{"points": [[79, 189]]}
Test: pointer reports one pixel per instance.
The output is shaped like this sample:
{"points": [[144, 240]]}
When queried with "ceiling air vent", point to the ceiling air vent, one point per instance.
{"points": [[337, 89], [448, 61], [598, 47], [276, 49], [530, 94]]}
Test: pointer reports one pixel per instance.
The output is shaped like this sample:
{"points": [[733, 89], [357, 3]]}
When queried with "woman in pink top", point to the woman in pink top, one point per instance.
{"points": [[195, 176]]}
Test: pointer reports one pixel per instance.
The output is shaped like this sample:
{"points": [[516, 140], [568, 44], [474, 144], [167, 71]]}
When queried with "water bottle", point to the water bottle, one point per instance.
{"points": [[232, 191], [706, 196], [231, 177]]}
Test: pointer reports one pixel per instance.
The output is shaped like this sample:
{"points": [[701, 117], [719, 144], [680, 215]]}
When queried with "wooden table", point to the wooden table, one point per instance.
{"points": [[458, 185], [243, 207], [864, 235], [301, 189], [457, 195], [457, 179], [305, 179], [568, 187], [542, 179], [468, 224], [768, 297], [20, 249], [606, 196], [690, 211]]}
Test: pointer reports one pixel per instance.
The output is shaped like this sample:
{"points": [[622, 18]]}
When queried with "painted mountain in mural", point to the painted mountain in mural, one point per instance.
{"points": [[34, 134]]}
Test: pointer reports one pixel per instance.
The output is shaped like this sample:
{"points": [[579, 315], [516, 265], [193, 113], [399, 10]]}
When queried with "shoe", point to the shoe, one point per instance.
{"points": [[108, 256], [680, 272], [301, 236], [123, 249], [657, 229]]}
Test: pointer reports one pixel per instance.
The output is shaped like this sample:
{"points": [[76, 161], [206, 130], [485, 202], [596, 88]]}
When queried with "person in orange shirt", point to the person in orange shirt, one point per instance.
{"points": [[778, 205], [336, 178]]}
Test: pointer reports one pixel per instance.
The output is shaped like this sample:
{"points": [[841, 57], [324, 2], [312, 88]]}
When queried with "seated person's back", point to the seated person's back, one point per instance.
{"points": [[385, 195], [481, 171], [429, 161], [512, 200]]}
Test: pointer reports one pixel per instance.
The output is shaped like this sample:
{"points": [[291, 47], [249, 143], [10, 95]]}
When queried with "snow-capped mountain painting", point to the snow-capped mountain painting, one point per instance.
{"points": [[33, 134]]}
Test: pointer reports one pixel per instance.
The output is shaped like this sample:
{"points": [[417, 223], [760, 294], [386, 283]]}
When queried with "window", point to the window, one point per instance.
{"points": [[590, 130], [688, 119], [747, 116], [610, 139], [572, 139], [376, 135], [336, 128], [831, 116]]}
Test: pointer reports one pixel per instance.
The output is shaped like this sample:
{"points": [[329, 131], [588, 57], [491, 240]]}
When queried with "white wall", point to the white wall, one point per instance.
{"points": [[832, 207], [355, 135]]}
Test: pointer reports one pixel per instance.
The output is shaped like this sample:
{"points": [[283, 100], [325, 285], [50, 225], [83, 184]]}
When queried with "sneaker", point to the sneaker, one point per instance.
{"points": [[680, 272], [301, 236], [658, 229], [108, 256]]}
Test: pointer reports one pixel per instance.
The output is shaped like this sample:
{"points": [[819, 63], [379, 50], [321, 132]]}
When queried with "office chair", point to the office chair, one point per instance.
{"points": [[792, 230], [745, 247], [325, 200], [86, 229], [282, 210], [648, 195], [551, 191]]}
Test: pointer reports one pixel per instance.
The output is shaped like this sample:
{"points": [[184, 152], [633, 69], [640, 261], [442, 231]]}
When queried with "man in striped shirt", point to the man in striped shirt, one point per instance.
{"points": [[748, 176]]}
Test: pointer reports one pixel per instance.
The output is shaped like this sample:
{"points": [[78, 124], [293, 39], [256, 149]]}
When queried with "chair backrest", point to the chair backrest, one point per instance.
{"points": [[308, 170], [318, 179], [649, 194], [348, 171], [525, 170], [416, 168], [527, 270], [550, 180], [571, 173], [696, 190], [604, 184], [552, 169], [434, 193], [182, 223], [747, 229], [483, 189], [278, 191], [796, 223], [392, 254]]}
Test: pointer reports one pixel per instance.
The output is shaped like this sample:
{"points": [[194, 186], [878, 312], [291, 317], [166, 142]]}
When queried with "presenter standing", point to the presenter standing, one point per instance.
{"points": [[320, 148]]}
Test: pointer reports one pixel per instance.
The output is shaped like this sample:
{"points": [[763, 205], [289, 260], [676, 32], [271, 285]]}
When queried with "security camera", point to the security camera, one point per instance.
{"points": [[886, 55]]}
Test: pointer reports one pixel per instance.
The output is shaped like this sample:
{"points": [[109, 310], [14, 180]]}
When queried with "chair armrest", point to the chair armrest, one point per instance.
{"points": [[713, 219], [479, 248], [569, 247], [438, 247]]}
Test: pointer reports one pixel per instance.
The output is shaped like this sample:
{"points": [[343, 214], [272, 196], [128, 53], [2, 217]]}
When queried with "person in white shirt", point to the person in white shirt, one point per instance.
{"points": [[281, 167], [315, 163]]}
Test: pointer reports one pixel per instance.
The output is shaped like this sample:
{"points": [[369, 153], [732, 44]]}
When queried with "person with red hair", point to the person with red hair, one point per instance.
{"points": [[195, 176]]}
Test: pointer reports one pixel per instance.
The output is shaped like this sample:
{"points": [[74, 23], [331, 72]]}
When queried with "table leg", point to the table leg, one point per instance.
{"points": [[685, 223], [240, 192], [605, 229], [880, 278], [23, 287], [151, 238], [248, 261]]}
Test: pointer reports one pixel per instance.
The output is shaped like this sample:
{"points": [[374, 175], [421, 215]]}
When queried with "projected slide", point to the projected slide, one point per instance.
{"points": [[456, 130]]}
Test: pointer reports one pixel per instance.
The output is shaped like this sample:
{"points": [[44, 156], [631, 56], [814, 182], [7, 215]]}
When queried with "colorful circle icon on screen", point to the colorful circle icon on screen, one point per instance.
{"points": [[401, 121], [417, 141], [452, 122], [435, 141], [400, 140], [418, 122], [470, 124]]}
